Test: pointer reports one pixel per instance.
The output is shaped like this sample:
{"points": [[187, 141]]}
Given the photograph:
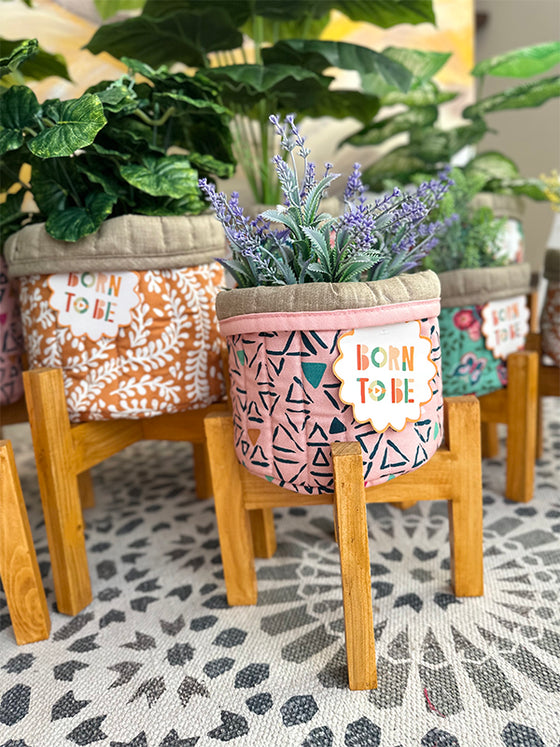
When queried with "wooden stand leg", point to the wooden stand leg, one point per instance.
{"points": [[539, 446], [523, 371], [462, 432], [85, 488], [351, 522], [233, 518], [58, 482], [202, 476], [19, 570], [490, 442], [262, 529]]}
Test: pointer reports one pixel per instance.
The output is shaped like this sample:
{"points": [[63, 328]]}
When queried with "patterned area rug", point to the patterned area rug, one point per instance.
{"points": [[159, 660]]}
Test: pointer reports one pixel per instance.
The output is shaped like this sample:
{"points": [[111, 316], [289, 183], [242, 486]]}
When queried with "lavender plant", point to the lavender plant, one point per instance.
{"points": [[370, 240]]}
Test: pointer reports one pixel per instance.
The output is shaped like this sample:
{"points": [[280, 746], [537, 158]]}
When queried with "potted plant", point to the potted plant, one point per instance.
{"points": [[428, 146], [266, 56], [484, 315], [23, 59], [117, 267], [329, 338]]}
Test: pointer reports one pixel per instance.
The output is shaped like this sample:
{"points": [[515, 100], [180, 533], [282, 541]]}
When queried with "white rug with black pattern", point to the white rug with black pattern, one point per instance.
{"points": [[159, 660]]}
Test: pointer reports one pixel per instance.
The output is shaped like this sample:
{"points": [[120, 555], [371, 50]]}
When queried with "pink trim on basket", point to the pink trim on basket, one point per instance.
{"points": [[376, 316]]}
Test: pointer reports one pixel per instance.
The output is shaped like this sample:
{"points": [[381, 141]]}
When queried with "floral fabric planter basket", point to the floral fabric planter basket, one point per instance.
{"points": [[128, 313], [305, 360], [550, 316], [11, 340], [484, 317]]}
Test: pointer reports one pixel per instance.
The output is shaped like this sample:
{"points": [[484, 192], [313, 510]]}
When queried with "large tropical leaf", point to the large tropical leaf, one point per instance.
{"points": [[519, 97], [18, 111], [10, 165], [397, 165], [13, 57], [182, 37], [74, 223], [386, 13], [492, 165], [31, 60], [390, 126], [521, 63], [167, 176], [425, 93], [189, 204], [338, 104], [10, 212], [73, 124], [57, 184], [535, 189], [316, 55], [437, 146], [207, 164], [247, 85]]}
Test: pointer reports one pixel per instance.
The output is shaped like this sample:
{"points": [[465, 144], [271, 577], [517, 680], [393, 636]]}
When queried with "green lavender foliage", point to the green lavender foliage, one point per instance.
{"points": [[471, 237]]}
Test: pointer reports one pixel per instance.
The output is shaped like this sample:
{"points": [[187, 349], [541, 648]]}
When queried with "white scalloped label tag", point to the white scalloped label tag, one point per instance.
{"points": [[385, 374], [505, 324], [95, 304]]}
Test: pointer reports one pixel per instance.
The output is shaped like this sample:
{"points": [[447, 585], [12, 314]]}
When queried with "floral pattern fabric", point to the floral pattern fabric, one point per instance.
{"points": [[550, 323], [287, 412], [468, 366], [11, 341], [168, 359]]}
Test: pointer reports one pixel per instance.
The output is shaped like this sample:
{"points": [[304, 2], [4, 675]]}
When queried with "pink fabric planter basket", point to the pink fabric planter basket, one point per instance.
{"points": [[283, 343], [11, 341]]}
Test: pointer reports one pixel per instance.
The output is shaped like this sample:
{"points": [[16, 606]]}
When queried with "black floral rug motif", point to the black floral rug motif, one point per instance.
{"points": [[160, 660]]}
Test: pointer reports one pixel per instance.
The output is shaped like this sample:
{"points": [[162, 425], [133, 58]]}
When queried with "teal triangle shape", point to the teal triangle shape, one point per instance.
{"points": [[392, 452], [314, 372], [420, 456], [241, 357], [337, 426], [423, 429]]}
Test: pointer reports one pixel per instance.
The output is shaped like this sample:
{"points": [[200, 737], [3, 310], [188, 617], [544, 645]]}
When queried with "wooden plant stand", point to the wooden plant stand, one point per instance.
{"points": [[19, 570], [64, 453], [516, 406], [244, 505]]}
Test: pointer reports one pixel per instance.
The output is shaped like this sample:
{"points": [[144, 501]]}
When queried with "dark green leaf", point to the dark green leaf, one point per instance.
{"points": [[535, 189], [18, 111], [340, 104], [74, 124], [10, 209], [56, 184], [182, 37], [396, 166], [171, 97], [386, 13], [10, 165], [169, 175], [437, 146], [521, 63], [189, 204], [31, 60], [317, 55], [519, 97], [75, 223], [387, 128], [14, 53], [237, 11], [207, 164]]}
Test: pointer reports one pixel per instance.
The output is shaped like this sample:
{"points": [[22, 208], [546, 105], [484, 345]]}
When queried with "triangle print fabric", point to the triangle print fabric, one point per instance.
{"points": [[287, 412]]}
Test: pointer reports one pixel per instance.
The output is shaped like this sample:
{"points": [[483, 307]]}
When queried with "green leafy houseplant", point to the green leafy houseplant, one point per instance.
{"points": [[470, 237], [122, 147], [429, 146], [266, 56]]}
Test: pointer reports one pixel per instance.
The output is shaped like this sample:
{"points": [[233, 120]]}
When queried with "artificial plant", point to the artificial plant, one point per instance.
{"points": [[429, 146], [266, 56], [108, 152]]}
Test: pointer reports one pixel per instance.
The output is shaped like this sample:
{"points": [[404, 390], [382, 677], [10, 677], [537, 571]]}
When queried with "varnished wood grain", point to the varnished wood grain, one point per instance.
{"points": [[19, 570], [352, 534], [523, 377], [58, 483]]}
